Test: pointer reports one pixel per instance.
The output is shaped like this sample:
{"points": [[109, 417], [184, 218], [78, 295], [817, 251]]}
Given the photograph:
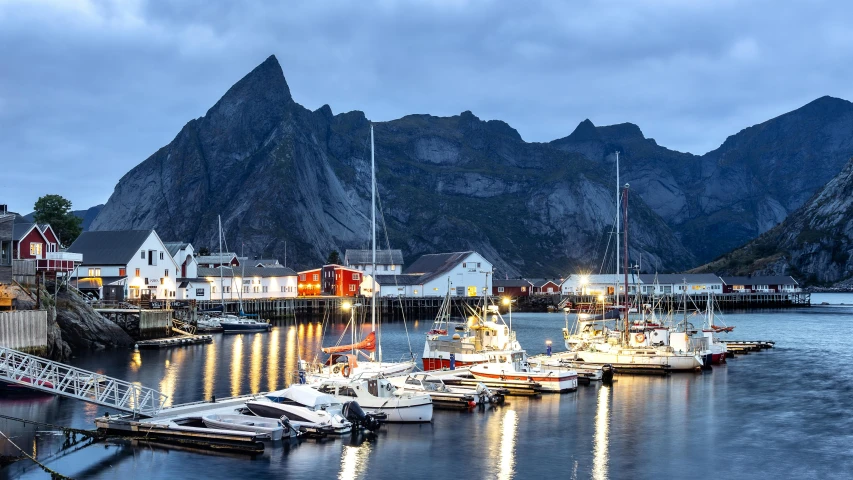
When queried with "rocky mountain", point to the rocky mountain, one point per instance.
{"points": [[280, 174], [814, 243], [723, 199]]}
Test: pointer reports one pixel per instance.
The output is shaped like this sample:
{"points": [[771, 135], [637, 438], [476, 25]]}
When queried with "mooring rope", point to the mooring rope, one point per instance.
{"points": [[53, 474]]}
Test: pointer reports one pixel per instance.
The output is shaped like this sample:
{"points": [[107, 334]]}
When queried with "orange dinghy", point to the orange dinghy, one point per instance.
{"points": [[368, 344]]}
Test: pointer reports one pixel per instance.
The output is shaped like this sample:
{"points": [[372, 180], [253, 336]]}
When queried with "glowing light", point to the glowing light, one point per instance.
{"points": [[506, 301], [255, 369], [507, 449], [584, 280], [601, 298], [209, 370], [346, 306], [135, 361]]}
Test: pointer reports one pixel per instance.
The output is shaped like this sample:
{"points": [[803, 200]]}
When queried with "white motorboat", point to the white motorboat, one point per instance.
{"points": [[302, 406], [247, 423], [444, 396], [378, 395], [516, 368], [235, 324]]}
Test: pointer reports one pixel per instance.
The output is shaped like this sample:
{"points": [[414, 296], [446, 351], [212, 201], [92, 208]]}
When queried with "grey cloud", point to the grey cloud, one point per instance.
{"points": [[89, 90]]}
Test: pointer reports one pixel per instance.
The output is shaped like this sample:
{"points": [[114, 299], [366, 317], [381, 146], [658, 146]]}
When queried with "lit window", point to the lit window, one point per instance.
{"points": [[122, 272], [393, 267], [137, 272], [356, 276], [35, 249], [316, 277]]}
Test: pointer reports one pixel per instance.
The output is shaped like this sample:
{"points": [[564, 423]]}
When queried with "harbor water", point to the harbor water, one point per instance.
{"points": [[780, 413]]}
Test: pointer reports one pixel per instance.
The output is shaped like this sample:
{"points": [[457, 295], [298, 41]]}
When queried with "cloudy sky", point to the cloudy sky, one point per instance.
{"points": [[90, 88]]}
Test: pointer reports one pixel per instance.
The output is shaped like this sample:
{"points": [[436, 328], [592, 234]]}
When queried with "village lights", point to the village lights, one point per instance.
{"points": [[346, 305]]}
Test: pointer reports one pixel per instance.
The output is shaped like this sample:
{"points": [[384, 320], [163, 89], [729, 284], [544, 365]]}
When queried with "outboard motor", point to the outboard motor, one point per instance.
{"points": [[353, 412], [607, 372]]}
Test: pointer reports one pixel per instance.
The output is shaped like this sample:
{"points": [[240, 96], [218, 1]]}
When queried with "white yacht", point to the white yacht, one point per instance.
{"points": [[377, 395], [302, 406]]}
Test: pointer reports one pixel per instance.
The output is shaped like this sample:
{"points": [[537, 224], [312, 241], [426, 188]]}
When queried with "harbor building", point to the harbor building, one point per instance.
{"points": [[216, 260], [598, 284], [760, 284], [678, 283], [470, 275], [388, 262], [518, 287], [249, 283], [125, 264]]}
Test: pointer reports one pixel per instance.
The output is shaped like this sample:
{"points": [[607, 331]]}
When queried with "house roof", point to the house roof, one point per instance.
{"points": [[20, 230], [247, 272], [365, 257], [109, 247], [602, 279], [216, 259], [678, 278], [512, 282], [267, 262], [398, 279], [760, 280], [436, 264], [175, 247]]}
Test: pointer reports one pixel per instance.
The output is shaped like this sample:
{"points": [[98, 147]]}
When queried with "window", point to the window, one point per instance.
{"points": [[35, 249], [478, 264], [393, 267], [523, 289], [122, 272], [94, 272], [166, 273], [416, 292], [282, 289], [352, 288], [356, 276], [161, 281], [316, 277], [146, 280], [464, 265], [227, 289], [137, 272], [500, 289], [246, 289], [386, 267], [255, 289], [213, 289], [142, 254], [199, 292], [161, 255], [265, 289]]}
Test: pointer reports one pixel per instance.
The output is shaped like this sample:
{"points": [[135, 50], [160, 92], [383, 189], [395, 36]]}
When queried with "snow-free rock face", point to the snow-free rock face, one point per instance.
{"points": [[814, 243], [723, 199], [281, 174]]}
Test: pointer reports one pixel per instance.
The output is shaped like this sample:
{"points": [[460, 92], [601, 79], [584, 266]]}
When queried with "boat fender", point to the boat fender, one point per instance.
{"points": [[346, 371], [503, 377], [640, 337]]}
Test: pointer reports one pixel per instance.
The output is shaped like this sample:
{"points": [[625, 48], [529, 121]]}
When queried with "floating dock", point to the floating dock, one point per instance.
{"points": [[178, 341]]}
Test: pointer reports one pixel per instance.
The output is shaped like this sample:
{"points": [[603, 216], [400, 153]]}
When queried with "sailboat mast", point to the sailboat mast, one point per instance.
{"points": [[373, 240], [618, 214], [625, 209], [221, 291]]}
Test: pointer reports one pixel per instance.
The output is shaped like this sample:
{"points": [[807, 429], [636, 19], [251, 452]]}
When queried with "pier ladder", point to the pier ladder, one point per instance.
{"points": [[54, 377]]}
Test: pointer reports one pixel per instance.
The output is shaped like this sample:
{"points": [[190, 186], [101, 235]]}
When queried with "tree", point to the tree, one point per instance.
{"points": [[56, 211], [334, 258], [203, 252]]}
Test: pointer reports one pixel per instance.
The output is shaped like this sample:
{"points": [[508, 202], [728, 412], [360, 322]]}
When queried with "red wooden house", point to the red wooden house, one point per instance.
{"points": [[29, 242], [341, 281], [511, 288], [308, 283]]}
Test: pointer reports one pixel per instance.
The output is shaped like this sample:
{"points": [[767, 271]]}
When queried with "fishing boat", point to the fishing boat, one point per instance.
{"points": [[247, 423], [379, 395], [452, 345]]}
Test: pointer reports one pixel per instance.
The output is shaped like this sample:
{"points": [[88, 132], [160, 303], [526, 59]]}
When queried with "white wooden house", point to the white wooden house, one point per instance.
{"points": [[468, 275], [678, 283], [598, 284], [135, 260], [250, 282], [388, 262]]}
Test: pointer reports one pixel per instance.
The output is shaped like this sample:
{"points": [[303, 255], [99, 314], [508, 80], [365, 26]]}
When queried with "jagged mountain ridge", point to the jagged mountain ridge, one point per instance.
{"points": [[815, 243], [281, 174], [722, 199]]}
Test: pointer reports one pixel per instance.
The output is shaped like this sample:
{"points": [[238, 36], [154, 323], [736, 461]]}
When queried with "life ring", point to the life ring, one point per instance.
{"points": [[336, 369], [640, 338], [345, 371]]}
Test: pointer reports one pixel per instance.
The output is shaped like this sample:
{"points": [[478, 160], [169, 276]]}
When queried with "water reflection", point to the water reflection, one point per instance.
{"points": [[257, 359], [354, 461], [209, 370], [135, 361], [600, 440], [509, 429], [236, 365], [273, 359]]}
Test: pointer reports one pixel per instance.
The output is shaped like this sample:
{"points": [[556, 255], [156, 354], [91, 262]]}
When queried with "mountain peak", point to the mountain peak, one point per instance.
{"points": [[584, 132], [621, 131], [264, 85]]}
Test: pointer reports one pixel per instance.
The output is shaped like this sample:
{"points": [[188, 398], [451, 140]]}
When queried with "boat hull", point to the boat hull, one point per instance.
{"points": [[300, 415], [245, 423], [244, 328], [674, 362], [550, 381], [415, 413]]}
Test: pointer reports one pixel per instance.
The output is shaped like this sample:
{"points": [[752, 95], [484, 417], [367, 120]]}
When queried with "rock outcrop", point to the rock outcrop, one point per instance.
{"points": [[815, 243], [85, 329]]}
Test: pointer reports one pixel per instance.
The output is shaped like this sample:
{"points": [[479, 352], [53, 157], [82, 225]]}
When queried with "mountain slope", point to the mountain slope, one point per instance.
{"points": [[721, 200], [814, 243], [281, 174]]}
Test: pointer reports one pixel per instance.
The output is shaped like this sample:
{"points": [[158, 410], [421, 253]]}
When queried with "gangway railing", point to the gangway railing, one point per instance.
{"points": [[58, 378]]}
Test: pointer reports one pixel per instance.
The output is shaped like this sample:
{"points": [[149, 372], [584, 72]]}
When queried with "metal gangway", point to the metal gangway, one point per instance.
{"points": [[54, 377]]}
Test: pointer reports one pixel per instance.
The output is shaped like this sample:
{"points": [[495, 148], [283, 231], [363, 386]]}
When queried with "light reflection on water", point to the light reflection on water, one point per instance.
{"points": [[759, 413], [600, 440]]}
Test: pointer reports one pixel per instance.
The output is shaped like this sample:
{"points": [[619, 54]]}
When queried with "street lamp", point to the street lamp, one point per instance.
{"points": [[508, 302]]}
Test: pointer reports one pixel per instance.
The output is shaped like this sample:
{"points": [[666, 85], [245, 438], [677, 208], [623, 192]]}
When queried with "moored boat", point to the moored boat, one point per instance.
{"points": [[379, 396], [247, 423], [516, 368]]}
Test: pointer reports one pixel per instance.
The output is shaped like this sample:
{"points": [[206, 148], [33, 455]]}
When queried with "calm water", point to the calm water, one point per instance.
{"points": [[784, 413]]}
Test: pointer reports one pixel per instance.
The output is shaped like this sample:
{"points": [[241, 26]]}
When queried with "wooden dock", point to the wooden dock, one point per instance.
{"points": [[177, 341]]}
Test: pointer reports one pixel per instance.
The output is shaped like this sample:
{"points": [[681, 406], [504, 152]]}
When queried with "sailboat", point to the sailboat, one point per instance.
{"points": [[344, 365], [642, 343], [233, 323]]}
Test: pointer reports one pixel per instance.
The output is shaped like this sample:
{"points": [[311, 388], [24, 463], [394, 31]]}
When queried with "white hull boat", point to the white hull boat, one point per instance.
{"points": [[302, 405], [247, 423], [549, 380], [380, 396]]}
